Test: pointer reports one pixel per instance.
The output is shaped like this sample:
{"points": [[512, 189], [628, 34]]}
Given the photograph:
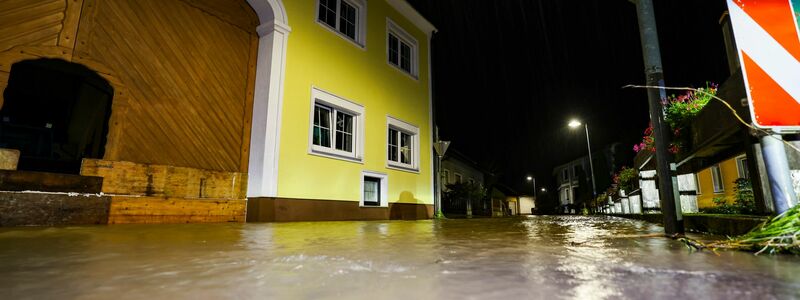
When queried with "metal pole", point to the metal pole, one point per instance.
{"points": [[673, 223], [591, 164], [438, 205], [780, 178]]}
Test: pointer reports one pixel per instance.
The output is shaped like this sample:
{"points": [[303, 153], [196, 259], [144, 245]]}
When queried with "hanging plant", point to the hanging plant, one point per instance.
{"points": [[678, 113]]}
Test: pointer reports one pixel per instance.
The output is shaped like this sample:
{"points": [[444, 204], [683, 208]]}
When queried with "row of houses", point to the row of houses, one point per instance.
{"points": [[719, 151], [191, 111], [498, 199]]}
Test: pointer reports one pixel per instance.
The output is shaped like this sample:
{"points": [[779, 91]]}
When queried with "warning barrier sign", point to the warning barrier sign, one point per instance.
{"points": [[768, 38]]}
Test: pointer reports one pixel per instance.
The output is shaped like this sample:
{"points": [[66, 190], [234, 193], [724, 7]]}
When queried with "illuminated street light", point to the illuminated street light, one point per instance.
{"points": [[575, 124]]}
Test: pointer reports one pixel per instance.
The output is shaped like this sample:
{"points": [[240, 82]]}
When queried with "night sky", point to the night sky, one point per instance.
{"points": [[509, 74]]}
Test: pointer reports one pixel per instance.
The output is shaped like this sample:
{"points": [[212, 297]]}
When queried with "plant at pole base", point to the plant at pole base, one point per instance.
{"points": [[678, 113], [780, 234]]}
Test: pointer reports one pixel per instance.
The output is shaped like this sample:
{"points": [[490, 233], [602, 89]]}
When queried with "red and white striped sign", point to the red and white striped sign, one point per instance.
{"points": [[768, 39]]}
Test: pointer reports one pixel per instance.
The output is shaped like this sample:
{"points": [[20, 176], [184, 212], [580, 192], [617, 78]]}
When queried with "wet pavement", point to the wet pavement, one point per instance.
{"points": [[540, 257]]}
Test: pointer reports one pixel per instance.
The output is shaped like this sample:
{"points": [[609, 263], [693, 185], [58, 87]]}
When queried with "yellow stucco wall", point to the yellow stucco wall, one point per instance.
{"points": [[318, 57], [729, 172]]}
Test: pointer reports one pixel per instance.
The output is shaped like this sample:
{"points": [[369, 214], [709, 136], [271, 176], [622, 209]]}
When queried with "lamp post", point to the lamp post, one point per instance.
{"points": [[441, 149], [531, 178], [575, 124]]}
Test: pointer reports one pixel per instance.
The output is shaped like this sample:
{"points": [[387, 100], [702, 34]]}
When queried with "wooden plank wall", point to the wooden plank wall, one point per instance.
{"points": [[31, 23], [187, 74], [146, 210], [135, 179], [182, 71]]}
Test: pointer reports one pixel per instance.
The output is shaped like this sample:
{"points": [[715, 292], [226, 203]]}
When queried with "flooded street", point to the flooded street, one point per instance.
{"points": [[567, 257]]}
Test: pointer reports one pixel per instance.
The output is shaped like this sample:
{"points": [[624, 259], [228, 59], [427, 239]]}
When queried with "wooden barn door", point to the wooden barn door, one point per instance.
{"points": [[189, 68]]}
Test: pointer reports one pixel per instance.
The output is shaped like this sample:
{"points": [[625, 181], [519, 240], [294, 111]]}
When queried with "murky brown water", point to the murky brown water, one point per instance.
{"points": [[535, 257]]}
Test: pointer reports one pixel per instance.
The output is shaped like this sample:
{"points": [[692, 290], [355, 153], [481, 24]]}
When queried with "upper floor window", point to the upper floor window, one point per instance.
{"points": [[716, 179], [337, 126], [741, 166], [346, 17], [401, 49], [402, 144]]}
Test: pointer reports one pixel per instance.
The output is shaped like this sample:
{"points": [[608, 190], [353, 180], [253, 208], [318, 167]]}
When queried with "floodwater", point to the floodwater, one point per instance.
{"points": [[539, 257]]}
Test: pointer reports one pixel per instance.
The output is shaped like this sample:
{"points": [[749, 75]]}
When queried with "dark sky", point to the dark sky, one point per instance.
{"points": [[509, 74]]}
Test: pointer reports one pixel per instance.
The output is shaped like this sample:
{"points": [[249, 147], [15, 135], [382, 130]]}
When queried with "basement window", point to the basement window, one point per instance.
{"points": [[374, 189]]}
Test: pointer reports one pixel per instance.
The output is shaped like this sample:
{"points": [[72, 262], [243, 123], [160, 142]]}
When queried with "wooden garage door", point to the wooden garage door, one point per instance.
{"points": [[188, 67]]}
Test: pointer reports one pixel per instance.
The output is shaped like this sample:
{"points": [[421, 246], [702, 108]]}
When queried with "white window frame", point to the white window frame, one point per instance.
{"points": [[446, 176], [741, 166], [716, 177], [697, 183], [337, 103], [402, 35], [413, 132], [456, 177], [361, 26], [384, 201]]}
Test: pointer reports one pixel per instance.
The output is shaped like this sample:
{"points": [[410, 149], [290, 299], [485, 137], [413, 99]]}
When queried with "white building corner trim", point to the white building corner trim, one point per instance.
{"points": [[267, 98]]}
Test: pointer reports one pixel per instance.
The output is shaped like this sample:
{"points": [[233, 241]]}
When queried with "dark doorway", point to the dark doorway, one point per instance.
{"points": [[56, 113]]}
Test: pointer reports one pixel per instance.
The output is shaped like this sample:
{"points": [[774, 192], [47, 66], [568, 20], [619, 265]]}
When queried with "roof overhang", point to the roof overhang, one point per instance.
{"points": [[413, 15]]}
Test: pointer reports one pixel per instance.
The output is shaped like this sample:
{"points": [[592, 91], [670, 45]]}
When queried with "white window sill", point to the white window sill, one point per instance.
{"points": [[401, 167], [331, 154], [410, 75], [373, 206], [358, 44]]}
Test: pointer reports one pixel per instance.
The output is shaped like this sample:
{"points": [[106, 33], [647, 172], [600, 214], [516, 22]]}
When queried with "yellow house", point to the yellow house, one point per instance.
{"points": [[210, 111], [718, 181], [354, 133]]}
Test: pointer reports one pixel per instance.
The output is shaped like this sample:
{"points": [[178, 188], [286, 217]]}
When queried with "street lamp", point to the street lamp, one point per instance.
{"points": [[575, 124], [531, 178], [441, 149]]}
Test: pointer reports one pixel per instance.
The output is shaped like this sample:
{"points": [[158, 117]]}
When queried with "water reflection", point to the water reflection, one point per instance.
{"points": [[568, 257]]}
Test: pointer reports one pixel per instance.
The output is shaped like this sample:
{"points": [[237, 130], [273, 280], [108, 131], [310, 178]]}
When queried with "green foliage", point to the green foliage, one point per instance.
{"points": [[679, 110], [781, 234], [627, 179], [743, 200], [464, 191]]}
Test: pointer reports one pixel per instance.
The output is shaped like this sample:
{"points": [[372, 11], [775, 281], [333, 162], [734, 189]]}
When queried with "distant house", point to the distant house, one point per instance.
{"points": [[458, 168], [505, 201], [574, 180]]}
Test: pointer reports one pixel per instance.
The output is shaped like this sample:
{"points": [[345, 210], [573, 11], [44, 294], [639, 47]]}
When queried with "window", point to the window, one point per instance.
{"points": [[471, 181], [337, 127], [374, 187], [446, 176], [372, 191], [697, 183], [401, 49], [716, 179], [402, 145], [345, 17], [741, 166], [458, 178], [564, 175]]}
